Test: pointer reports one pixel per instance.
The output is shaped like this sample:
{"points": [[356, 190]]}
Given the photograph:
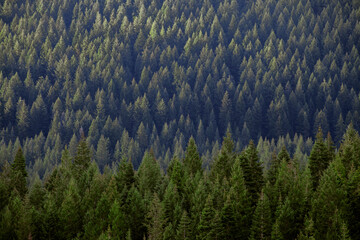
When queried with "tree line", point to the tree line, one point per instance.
{"points": [[236, 199]]}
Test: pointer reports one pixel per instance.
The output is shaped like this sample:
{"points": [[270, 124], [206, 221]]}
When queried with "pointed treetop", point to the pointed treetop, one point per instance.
{"points": [[192, 161], [319, 135], [19, 164], [227, 144], [284, 155]]}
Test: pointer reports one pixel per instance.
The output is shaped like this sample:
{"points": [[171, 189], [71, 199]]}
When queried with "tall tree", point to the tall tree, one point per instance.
{"points": [[155, 225], [19, 174], [192, 161], [82, 158], [253, 174], [221, 167], [319, 158], [261, 222]]}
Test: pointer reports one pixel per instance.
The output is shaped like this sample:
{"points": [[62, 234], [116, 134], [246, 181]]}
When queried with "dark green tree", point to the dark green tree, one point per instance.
{"points": [[252, 170], [19, 174], [261, 222], [192, 161], [319, 158]]}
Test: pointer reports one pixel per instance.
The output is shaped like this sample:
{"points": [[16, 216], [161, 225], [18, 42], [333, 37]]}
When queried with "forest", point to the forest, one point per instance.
{"points": [[236, 199], [179, 119]]}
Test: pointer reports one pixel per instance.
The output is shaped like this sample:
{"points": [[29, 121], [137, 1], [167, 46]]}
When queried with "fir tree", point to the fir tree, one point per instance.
{"points": [[192, 161], [319, 158], [19, 174]]}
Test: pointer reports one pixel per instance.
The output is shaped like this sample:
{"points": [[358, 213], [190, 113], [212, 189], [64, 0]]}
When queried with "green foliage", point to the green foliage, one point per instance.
{"points": [[222, 165], [192, 161], [19, 174], [261, 223], [252, 170], [82, 158], [149, 174], [139, 75], [319, 158], [155, 219]]}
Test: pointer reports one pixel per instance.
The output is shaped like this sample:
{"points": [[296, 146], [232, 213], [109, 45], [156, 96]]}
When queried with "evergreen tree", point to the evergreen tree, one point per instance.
{"points": [[192, 161], [224, 161], [252, 172], [19, 174], [184, 230], [155, 219], [117, 220], [207, 216], [261, 222], [319, 158], [149, 174], [82, 158]]}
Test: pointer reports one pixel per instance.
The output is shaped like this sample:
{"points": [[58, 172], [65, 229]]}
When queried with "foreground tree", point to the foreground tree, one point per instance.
{"points": [[19, 174], [320, 158]]}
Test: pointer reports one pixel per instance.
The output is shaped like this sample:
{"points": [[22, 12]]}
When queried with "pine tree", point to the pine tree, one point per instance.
{"points": [[155, 224], [241, 203], [19, 174], [102, 153], [136, 213], [149, 174], [328, 201], [207, 216], [125, 175], [69, 215], [228, 220], [117, 220], [261, 222], [308, 232], [192, 161], [224, 161], [274, 168], [252, 172], [319, 158], [82, 158], [184, 229]]}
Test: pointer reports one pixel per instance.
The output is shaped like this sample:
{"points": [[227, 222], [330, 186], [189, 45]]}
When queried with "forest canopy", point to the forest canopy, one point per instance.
{"points": [[179, 119], [237, 199]]}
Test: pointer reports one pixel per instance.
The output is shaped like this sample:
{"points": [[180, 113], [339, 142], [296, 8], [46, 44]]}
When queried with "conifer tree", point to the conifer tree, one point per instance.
{"points": [[328, 201], [117, 220], [155, 225], [207, 216], [224, 161], [19, 174], [261, 221], [149, 174], [184, 229], [228, 220], [319, 158], [69, 215], [125, 175], [192, 161], [82, 158], [252, 172]]}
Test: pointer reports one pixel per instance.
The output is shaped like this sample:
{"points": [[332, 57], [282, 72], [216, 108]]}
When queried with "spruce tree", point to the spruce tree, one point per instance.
{"points": [[19, 174], [155, 223], [184, 229], [319, 159], [261, 222], [82, 158], [192, 161], [252, 172], [224, 161], [117, 220], [207, 216]]}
